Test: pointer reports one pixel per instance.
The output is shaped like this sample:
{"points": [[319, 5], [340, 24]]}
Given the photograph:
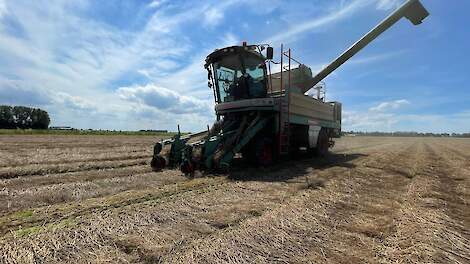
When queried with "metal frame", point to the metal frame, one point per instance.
{"points": [[284, 68]]}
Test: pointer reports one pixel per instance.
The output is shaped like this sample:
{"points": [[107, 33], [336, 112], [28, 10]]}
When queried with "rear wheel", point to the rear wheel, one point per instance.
{"points": [[322, 143], [259, 152]]}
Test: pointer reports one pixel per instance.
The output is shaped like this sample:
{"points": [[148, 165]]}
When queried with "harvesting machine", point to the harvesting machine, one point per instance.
{"points": [[263, 116]]}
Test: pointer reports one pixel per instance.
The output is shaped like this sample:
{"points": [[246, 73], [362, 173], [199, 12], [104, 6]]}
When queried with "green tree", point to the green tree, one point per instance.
{"points": [[43, 120], [6, 117], [23, 117]]}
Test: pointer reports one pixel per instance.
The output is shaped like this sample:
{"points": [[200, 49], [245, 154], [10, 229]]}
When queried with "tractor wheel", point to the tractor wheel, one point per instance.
{"points": [[322, 143], [188, 169], [158, 163]]}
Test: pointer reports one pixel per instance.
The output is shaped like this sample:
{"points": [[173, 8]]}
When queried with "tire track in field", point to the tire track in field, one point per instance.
{"points": [[428, 229], [34, 170], [92, 233], [343, 149], [163, 222], [41, 148], [89, 145], [67, 149], [34, 153], [459, 158], [450, 176], [55, 213], [400, 163], [81, 189], [47, 161], [365, 216], [36, 181]]}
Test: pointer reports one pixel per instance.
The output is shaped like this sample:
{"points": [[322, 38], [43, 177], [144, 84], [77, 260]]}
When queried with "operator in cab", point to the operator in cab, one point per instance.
{"points": [[237, 73]]}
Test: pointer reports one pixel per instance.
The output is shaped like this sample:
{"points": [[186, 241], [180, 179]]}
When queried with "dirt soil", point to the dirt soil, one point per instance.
{"points": [[94, 199]]}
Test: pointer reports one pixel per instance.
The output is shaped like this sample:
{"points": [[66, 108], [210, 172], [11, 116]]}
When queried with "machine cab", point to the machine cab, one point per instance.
{"points": [[237, 73]]}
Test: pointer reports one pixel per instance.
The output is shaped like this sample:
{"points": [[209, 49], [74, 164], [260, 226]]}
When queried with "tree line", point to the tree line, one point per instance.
{"points": [[23, 117]]}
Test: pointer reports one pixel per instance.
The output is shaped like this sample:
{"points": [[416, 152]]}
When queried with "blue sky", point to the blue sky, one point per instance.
{"points": [[128, 65]]}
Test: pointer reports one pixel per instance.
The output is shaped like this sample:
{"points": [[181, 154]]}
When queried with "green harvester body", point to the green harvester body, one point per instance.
{"points": [[264, 116]]}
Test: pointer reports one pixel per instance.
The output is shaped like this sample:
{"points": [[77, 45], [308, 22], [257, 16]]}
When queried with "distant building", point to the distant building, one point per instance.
{"points": [[61, 128], [154, 130]]}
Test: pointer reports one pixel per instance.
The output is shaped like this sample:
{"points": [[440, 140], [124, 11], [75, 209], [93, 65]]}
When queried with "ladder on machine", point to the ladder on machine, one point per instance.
{"points": [[284, 131], [284, 122]]}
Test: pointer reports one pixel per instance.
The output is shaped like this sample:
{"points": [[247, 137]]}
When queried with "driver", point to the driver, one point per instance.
{"points": [[241, 87]]}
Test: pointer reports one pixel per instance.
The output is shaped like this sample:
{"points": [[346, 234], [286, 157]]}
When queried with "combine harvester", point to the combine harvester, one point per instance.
{"points": [[263, 116]]}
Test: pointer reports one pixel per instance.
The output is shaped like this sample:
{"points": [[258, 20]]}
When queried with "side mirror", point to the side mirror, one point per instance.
{"points": [[269, 53]]}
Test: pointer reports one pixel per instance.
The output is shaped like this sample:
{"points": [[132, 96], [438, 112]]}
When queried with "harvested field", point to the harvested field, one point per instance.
{"points": [[94, 199]]}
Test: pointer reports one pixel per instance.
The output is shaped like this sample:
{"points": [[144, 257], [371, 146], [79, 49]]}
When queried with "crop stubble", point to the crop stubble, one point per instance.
{"points": [[94, 199]]}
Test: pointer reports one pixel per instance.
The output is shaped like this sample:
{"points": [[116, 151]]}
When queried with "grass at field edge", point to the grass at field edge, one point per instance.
{"points": [[82, 132]]}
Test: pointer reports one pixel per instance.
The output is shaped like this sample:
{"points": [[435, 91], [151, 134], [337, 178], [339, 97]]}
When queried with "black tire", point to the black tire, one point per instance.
{"points": [[157, 163], [264, 153], [259, 153], [322, 143]]}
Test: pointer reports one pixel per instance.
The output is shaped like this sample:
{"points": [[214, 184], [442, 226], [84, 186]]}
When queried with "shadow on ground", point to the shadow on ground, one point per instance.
{"points": [[293, 168]]}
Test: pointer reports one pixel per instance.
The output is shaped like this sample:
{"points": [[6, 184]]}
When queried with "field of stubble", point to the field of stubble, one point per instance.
{"points": [[94, 199]]}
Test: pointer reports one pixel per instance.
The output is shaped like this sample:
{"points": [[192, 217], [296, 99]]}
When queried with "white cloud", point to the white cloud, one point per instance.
{"points": [[165, 99], [17, 92], [74, 102], [193, 77], [152, 106], [155, 3], [392, 105], [3, 8], [385, 117], [458, 122], [388, 4], [213, 17], [368, 121], [291, 34], [376, 58], [381, 117], [66, 53]]}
